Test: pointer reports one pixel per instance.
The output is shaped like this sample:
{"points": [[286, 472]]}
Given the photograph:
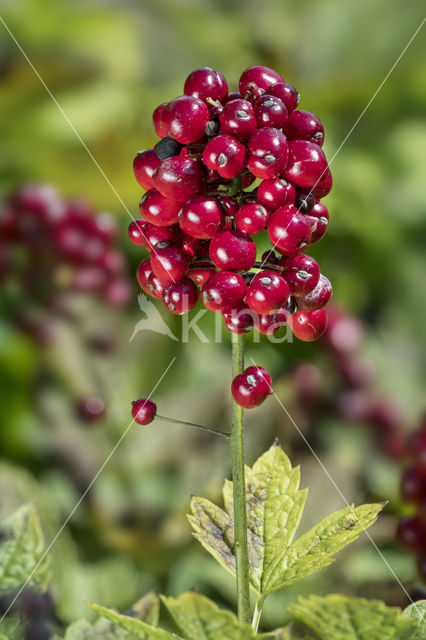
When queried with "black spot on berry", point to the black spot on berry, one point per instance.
{"points": [[167, 148]]}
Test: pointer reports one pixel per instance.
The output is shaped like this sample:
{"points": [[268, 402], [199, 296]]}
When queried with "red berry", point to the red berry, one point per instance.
{"points": [[308, 325], [169, 262], [194, 247], [251, 218], [179, 177], [154, 234], [271, 323], [275, 193], [305, 201], [269, 257], [160, 128], [287, 93], [144, 165], [324, 187], [252, 387], [304, 125], [143, 273], [256, 79], [185, 118], [136, 232], [158, 209], [224, 290], [267, 292], [270, 111], [202, 217], [307, 164], [239, 319], [155, 286], [269, 153], [91, 408], [288, 230], [412, 533], [301, 273], [233, 250], [206, 83], [416, 445], [200, 275], [143, 411], [238, 119], [413, 485], [226, 155], [117, 292], [229, 205], [182, 296], [318, 297]]}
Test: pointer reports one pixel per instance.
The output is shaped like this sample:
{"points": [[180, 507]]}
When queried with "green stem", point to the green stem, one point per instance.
{"points": [[238, 478], [257, 614], [193, 424]]}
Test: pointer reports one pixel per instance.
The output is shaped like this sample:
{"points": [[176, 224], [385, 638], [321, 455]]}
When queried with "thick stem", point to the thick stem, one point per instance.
{"points": [[238, 477]]}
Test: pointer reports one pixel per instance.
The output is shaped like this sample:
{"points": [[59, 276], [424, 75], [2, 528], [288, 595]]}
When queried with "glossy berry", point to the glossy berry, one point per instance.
{"points": [[255, 80], [143, 273], [154, 234], [143, 411], [307, 164], [267, 292], [136, 232], [252, 387], [200, 275], [269, 257], [155, 286], [308, 325], [161, 128], [318, 219], [206, 83], [178, 177], [195, 247], [275, 193], [239, 319], [268, 153], [305, 201], [238, 119], [144, 165], [223, 291], [182, 296], [287, 93], [411, 533], [318, 297], [288, 230], [413, 485], [251, 218], [158, 209], [202, 217], [225, 155], [270, 111], [304, 125], [324, 187], [185, 119], [169, 262], [271, 323], [229, 205], [301, 273], [233, 250]]}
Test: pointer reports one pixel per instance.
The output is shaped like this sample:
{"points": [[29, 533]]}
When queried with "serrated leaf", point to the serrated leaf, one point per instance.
{"points": [[198, 618], [315, 549], [22, 549], [338, 617], [274, 508], [147, 609], [417, 612], [136, 627], [101, 630]]}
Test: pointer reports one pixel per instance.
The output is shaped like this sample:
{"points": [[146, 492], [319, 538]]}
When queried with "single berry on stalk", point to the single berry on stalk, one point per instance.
{"points": [[143, 411]]}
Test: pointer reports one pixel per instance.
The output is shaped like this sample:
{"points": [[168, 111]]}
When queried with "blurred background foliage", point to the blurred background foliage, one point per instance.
{"points": [[108, 64]]}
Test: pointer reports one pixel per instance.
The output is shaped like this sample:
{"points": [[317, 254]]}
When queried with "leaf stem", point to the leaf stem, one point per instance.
{"points": [[238, 478], [257, 614], [193, 424]]}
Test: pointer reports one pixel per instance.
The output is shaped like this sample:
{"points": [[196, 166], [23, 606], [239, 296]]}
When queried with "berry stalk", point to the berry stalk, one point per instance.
{"points": [[238, 477]]}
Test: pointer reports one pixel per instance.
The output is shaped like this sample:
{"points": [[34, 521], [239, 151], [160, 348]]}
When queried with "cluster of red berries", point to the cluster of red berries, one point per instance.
{"points": [[49, 248], [198, 218], [412, 528]]}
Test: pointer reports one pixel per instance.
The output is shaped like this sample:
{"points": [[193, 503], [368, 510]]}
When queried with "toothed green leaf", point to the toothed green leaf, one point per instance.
{"points": [[198, 618], [417, 612], [22, 550], [337, 617], [138, 628]]}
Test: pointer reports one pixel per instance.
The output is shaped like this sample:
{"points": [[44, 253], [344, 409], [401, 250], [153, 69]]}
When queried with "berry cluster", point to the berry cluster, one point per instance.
{"points": [[228, 167], [50, 248]]}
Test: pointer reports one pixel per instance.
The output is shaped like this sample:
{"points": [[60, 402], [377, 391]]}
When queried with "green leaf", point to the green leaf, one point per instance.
{"points": [[147, 609], [284, 633], [417, 612], [274, 509], [21, 549], [136, 627], [338, 617], [314, 550], [198, 618]]}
